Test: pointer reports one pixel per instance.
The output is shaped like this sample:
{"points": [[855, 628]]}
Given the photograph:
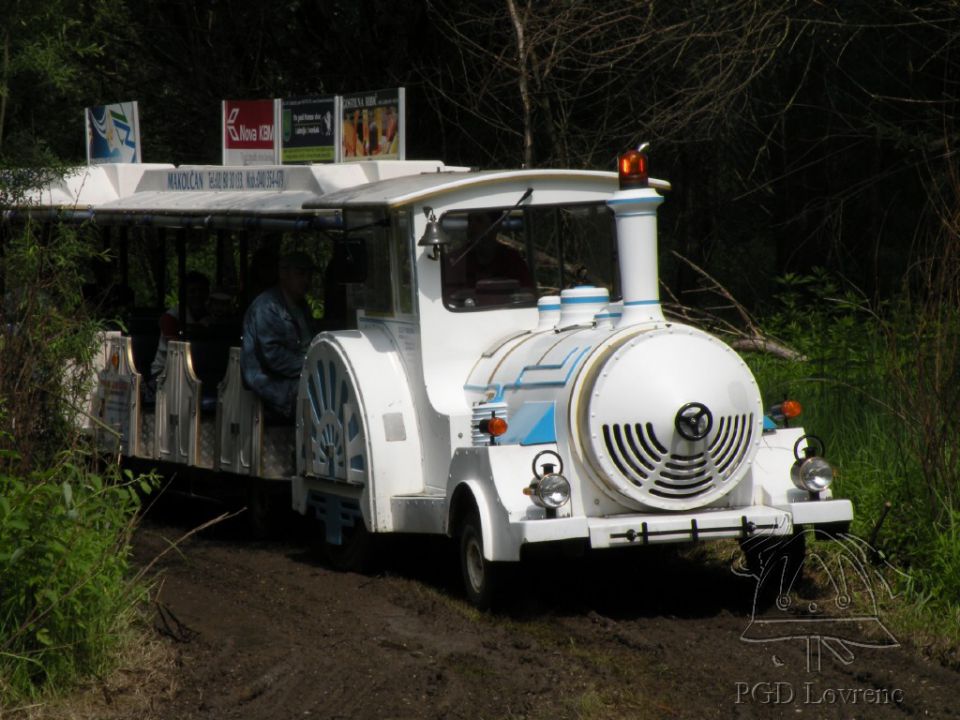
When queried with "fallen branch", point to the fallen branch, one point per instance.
{"points": [[749, 338]]}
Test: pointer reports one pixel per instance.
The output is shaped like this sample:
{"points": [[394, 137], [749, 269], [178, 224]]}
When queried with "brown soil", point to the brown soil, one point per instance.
{"points": [[263, 631]]}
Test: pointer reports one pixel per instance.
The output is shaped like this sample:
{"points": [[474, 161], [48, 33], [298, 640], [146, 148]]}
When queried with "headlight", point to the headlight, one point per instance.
{"points": [[812, 474], [553, 490]]}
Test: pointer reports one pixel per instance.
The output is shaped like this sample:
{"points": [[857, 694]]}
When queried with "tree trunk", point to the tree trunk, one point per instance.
{"points": [[4, 82], [524, 82]]}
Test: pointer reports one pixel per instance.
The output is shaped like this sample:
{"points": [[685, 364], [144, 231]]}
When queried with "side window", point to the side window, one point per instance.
{"points": [[588, 248], [378, 289], [388, 282], [373, 237], [402, 242]]}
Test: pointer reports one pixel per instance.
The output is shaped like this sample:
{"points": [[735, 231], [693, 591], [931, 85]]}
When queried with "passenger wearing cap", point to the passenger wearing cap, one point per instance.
{"points": [[277, 330]]}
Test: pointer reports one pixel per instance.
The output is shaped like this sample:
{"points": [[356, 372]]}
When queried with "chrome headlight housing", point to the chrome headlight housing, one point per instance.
{"points": [[812, 474], [553, 491]]}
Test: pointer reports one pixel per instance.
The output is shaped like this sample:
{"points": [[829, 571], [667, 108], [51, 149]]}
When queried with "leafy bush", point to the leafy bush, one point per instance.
{"points": [[64, 552]]}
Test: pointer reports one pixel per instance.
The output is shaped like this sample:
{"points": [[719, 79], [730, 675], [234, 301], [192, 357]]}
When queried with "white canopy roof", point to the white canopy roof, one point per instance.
{"points": [[300, 191]]}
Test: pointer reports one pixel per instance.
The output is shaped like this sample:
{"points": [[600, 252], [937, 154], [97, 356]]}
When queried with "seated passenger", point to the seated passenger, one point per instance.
{"points": [[197, 315], [277, 330]]}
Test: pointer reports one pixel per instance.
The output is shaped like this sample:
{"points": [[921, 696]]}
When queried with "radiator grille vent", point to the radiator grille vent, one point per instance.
{"points": [[645, 462]]}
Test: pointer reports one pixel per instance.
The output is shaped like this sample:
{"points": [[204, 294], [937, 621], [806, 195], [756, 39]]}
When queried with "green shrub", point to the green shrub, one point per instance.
{"points": [[64, 591]]}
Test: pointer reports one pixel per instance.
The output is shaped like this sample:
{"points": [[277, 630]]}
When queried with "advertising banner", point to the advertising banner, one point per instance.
{"points": [[113, 133], [249, 129], [373, 125], [310, 130]]}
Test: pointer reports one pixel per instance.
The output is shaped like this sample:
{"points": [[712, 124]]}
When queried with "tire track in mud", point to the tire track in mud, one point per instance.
{"points": [[278, 635]]}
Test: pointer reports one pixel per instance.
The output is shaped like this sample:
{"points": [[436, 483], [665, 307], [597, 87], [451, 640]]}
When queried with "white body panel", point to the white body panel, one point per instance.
{"points": [[366, 439]]}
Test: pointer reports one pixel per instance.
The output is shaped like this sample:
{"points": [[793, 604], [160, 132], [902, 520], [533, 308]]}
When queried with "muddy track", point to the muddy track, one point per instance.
{"points": [[264, 631]]}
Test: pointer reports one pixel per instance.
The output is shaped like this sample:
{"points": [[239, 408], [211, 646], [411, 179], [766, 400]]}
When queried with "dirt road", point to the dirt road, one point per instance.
{"points": [[262, 631]]}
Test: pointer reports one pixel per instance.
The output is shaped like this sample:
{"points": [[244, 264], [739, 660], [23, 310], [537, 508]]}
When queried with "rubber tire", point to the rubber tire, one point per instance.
{"points": [[771, 552], [483, 580], [259, 512], [356, 554]]}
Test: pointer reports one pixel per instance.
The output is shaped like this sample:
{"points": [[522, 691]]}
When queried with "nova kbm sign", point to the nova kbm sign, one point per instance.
{"points": [[249, 129]]}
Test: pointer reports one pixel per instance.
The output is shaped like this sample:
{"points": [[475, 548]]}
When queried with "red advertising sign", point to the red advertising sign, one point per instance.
{"points": [[249, 132]]}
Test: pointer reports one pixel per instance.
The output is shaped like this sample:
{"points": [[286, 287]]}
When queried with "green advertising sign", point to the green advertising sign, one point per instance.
{"points": [[309, 130]]}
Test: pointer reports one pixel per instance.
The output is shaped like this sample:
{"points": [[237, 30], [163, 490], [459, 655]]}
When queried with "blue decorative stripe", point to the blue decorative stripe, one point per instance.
{"points": [[641, 302], [627, 201], [552, 366], [547, 308], [519, 383], [532, 424], [582, 300]]}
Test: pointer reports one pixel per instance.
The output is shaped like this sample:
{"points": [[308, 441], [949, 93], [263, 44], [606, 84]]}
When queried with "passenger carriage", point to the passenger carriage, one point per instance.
{"points": [[495, 364]]}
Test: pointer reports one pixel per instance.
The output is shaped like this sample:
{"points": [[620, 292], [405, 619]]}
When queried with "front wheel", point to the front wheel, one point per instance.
{"points": [[482, 578], [776, 563], [357, 551]]}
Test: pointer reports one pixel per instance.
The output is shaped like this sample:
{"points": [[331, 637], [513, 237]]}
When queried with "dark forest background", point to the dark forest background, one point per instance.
{"points": [[796, 134]]}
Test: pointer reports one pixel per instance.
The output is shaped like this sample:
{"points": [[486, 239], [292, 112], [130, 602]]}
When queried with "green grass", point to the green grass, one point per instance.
{"points": [[881, 390]]}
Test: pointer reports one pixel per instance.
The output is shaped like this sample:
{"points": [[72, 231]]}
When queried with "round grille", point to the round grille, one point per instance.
{"points": [[671, 419]]}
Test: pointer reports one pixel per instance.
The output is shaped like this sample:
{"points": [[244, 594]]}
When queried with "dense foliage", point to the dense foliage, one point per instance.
{"points": [[796, 134], [65, 518]]}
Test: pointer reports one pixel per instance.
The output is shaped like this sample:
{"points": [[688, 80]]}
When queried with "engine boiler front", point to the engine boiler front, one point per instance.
{"points": [[670, 418]]}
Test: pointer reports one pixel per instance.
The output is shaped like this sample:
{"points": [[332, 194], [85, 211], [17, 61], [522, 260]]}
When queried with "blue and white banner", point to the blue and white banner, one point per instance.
{"points": [[113, 133]]}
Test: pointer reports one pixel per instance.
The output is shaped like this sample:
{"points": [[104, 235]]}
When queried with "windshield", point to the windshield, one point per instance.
{"points": [[505, 257]]}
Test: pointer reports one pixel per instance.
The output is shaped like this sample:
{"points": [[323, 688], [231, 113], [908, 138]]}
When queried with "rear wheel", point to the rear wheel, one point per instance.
{"points": [[482, 579], [259, 511]]}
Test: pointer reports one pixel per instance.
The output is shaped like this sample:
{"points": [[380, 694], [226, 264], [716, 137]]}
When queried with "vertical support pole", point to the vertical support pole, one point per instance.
{"points": [[244, 268], [221, 258], [181, 281], [561, 260], [124, 256], [160, 266]]}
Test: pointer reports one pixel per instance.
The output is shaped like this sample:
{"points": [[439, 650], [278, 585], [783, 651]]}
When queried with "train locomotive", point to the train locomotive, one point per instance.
{"points": [[599, 421], [499, 368]]}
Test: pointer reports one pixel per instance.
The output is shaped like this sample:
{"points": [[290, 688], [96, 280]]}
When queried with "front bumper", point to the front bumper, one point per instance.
{"points": [[711, 524]]}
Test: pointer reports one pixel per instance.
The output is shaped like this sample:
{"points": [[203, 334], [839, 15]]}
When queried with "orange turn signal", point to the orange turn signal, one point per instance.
{"points": [[790, 409], [495, 426]]}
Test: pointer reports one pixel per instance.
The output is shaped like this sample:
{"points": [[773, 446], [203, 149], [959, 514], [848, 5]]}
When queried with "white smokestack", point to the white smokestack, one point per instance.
{"points": [[635, 210]]}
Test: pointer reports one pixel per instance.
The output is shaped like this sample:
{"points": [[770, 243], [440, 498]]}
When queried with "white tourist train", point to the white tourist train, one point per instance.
{"points": [[499, 370]]}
